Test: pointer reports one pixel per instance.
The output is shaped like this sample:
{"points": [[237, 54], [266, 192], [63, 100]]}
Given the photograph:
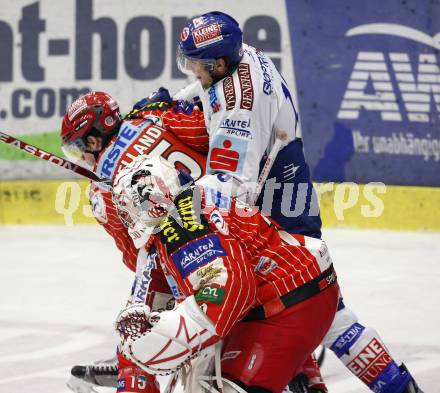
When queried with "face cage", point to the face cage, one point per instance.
{"points": [[125, 210], [131, 213], [74, 151], [152, 212], [191, 66]]}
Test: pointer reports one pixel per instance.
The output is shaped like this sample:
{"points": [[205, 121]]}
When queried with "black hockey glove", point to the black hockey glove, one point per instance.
{"points": [[158, 100], [162, 96]]}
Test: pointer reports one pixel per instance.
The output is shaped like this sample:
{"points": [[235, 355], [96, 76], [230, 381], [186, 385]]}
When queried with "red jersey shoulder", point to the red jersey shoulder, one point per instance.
{"points": [[155, 140]]}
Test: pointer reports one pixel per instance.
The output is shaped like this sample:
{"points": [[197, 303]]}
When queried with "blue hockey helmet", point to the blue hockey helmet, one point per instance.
{"points": [[207, 38]]}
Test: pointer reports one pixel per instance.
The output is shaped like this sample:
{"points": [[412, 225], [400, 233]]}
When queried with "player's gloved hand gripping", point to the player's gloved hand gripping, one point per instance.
{"points": [[160, 343], [160, 99]]}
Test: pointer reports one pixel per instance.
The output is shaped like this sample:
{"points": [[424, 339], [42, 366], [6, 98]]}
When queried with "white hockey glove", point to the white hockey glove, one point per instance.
{"points": [[161, 344], [133, 321]]}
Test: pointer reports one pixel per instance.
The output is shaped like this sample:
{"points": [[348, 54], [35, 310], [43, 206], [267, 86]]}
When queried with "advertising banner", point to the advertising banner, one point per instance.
{"points": [[52, 52], [367, 75], [368, 82]]}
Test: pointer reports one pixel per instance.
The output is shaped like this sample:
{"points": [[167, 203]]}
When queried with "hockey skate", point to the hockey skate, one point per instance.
{"points": [[100, 373], [300, 384], [297, 385], [412, 386]]}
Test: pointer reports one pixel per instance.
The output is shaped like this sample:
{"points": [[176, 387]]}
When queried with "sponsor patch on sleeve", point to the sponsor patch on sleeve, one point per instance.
{"points": [[229, 92], [247, 89], [211, 294], [213, 273], [197, 253], [143, 279], [239, 126], [265, 265]]}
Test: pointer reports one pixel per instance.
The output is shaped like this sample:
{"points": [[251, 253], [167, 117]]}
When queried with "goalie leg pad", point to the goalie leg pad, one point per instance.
{"points": [[174, 339]]}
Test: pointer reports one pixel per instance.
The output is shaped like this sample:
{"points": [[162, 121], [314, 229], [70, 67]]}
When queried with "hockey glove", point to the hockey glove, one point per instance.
{"points": [[133, 321], [173, 338], [158, 100], [162, 96], [184, 107]]}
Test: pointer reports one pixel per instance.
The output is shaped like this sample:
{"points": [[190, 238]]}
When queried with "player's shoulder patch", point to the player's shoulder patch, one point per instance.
{"points": [[197, 253], [246, 86], [229, 93]]}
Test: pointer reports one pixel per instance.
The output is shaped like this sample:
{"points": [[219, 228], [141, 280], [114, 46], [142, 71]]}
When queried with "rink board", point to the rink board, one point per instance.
{"points": [[342, 204]]}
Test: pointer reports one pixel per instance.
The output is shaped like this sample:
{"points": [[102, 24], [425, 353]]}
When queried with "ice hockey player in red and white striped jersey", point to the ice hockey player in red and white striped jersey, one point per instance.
{"points": [[235, 278]]}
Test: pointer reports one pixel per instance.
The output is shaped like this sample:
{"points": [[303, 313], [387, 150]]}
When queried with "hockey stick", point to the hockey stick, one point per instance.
{"points": [[280, 141], [40, 153], [321, 356]]}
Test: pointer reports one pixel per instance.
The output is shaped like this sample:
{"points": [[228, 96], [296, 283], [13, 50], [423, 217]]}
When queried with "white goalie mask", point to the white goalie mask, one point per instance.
{"points": [[144, 193]]}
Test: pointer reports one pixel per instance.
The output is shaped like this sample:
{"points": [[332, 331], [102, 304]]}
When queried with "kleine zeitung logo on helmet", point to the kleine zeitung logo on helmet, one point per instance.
{"points": [[76, 108], [206, 35]]}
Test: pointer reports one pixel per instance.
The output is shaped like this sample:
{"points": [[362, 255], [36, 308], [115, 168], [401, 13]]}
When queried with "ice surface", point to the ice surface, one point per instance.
{"points": [[61, 288]]}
